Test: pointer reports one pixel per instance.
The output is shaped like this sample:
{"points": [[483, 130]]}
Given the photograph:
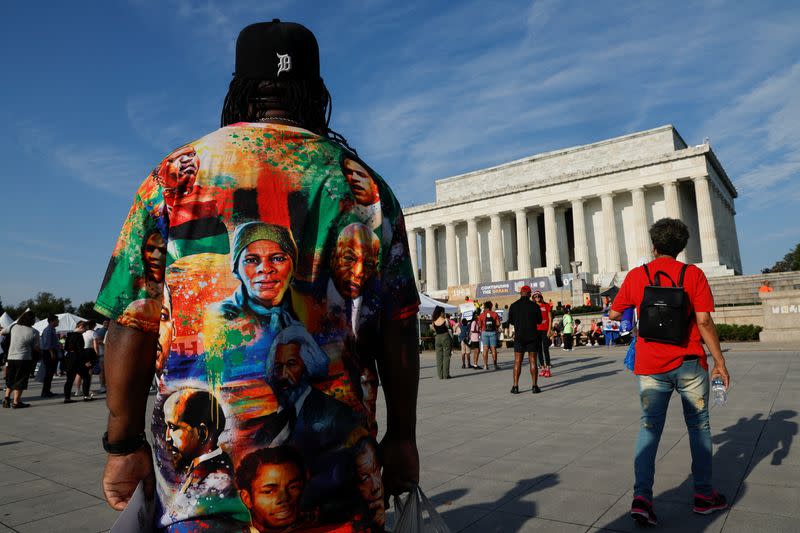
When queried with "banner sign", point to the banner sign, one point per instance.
{"points": [[511, 288]]}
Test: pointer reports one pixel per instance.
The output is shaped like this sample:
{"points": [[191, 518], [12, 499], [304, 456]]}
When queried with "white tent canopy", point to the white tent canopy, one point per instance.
{"points": [[427, 304], [6, 320], [66, 323]]}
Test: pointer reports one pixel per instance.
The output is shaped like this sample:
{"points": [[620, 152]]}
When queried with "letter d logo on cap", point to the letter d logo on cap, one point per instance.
{"points": [[284, 63]]}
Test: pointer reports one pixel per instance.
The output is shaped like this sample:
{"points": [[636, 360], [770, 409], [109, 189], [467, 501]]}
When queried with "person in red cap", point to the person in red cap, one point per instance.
{"points": [[545, 332], [525, 316]]}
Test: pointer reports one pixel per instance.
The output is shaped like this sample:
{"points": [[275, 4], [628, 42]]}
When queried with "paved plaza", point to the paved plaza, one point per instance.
{"points": [[492, 462]]}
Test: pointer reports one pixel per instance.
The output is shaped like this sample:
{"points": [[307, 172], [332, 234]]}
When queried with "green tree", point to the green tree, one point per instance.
{"points": [[43, 304], [790, 262], [86, 310]]}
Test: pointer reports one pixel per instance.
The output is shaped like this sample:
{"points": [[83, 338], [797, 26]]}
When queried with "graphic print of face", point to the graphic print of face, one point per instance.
{"points": [[368, 480], [185, 436], [287, 369], [154, 255], [355, 259], [178, 172], [166, 332], [266, 270], [273, 497], [361, 183], [369, 389]]}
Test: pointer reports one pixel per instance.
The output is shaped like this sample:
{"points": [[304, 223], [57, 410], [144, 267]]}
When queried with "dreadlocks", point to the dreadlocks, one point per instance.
{"points": [[308, 102]]}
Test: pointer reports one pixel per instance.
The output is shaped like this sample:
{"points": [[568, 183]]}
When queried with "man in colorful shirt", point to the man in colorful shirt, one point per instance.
{"points": [[662, 368], [255, 274]]}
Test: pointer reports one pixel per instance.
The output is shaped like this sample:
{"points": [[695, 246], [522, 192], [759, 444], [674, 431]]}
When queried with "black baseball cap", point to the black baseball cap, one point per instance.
{"points": [[277, 51]]}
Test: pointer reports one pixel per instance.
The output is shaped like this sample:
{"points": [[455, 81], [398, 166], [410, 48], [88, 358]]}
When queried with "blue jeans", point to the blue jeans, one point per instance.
{"points": [[691, 381], [489, 339]]}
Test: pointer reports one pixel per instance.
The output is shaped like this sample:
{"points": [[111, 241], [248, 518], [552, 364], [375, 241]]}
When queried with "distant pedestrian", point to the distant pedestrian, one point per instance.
{"points": [[489, 323], [545, 328], [24, 343], [567, 324], [765, 287], [99, 344], [525, 315], [662, 367], [474, 340], [463, 340], [50, 347], [78, 362], [443, 342]]}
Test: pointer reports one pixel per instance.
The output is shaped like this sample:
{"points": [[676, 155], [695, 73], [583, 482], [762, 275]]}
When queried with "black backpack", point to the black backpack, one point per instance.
{"points": [[490, 324], [664, 311]]}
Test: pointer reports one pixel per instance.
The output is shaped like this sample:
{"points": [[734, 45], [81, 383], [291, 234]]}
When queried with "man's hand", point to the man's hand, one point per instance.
{"points": [[400, 465], [124, 472], [720, 370]]}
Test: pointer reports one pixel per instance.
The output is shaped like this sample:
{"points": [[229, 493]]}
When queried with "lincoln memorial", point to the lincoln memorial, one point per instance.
{"points": [[591, 203]]}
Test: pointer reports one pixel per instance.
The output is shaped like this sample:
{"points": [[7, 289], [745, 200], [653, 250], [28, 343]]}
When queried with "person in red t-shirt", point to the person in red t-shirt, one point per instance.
{"points": [[545, 332], [662, 368], [489, 324]]}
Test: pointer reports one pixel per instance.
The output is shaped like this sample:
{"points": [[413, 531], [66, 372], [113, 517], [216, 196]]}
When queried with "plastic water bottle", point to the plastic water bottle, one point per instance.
{"points": [[719, 394]]}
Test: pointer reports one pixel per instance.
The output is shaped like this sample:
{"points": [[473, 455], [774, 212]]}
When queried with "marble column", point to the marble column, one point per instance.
{"points": [[431, 263], [579, 234], [553, 258], [533, 235], [609, 238], [473, 255], [496, 259], [523, 245], [672, 207], [705, 221], [640, 227], [452, 259], [412, 252]]}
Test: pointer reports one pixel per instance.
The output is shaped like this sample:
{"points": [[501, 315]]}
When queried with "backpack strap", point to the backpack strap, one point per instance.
{"points": [[647, 272], [661, 273], [683, 273]]}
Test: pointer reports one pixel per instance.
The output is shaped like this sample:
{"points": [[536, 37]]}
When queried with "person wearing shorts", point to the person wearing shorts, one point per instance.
{"points": [[525, 315], [489, 323], [474, 337], [463, 340]]}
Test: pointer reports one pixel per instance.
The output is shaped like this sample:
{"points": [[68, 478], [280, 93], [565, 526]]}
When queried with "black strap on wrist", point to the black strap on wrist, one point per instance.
{"points": [[124, 447]]}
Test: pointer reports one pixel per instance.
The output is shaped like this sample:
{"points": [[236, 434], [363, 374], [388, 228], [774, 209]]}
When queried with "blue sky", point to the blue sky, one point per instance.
{"points": [[96, 93]]}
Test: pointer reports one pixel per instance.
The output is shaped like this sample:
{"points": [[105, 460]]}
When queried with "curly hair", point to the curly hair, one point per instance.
{"points": [[308, 102], [669, 236]]}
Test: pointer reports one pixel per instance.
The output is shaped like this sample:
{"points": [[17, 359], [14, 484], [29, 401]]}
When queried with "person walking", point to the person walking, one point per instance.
{"points": [[663, 367], [50, 346], [24, 343], [99, 345], [474, 336], [77, 362], [442, 341], [296, 275], [489, 324], [525, 316], [567, 324], [463, 341], [545, 328]]}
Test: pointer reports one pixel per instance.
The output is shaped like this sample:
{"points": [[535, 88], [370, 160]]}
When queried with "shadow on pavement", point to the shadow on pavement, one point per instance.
{"points": [[581, 379], [738, 453], [519, 494]]}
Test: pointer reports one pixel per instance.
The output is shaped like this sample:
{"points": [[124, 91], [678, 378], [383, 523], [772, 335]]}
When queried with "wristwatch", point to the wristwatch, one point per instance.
{"points": [[124, 447]]}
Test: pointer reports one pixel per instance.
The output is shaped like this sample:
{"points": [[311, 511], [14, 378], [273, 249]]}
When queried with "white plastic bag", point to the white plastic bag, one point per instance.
{"points": [[411, 511]]}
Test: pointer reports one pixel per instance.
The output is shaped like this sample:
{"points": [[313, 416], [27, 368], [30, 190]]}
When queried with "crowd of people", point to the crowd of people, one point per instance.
{"points": [[75, 355], [477, 334]]}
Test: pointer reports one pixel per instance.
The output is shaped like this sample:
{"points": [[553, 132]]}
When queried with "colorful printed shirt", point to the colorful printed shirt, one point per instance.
{"points": [[266, 258]]}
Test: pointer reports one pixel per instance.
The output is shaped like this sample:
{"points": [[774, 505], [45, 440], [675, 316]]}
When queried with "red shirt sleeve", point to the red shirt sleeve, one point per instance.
{"points": [[625, 298], [702, 299]]}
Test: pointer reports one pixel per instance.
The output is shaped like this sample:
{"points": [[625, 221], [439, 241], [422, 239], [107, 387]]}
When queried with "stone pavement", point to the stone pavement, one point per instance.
{"points": [[492, 462]]}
